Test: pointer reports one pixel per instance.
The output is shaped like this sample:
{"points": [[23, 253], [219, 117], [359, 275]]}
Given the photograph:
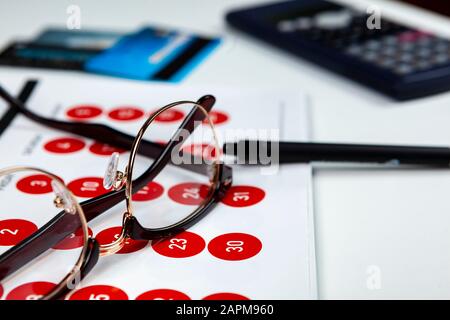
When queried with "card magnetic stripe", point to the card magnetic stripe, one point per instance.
{"points": [[199, 47]]}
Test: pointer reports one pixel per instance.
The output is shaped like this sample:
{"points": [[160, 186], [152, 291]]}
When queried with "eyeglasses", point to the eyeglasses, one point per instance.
{"points": [[190, 161]]}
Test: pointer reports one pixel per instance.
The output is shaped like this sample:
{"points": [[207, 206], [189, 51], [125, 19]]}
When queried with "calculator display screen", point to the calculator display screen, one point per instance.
{"points": [[438, 6]]}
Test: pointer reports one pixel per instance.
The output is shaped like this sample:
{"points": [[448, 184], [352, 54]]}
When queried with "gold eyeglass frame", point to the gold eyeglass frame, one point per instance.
{"points": [[74, 273], [118, 244]]}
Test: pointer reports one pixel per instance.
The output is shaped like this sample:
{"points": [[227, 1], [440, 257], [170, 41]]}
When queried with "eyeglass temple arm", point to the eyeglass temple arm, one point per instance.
{"points": [[189, 124], [40, 241], [47, 236], [103, 133]]}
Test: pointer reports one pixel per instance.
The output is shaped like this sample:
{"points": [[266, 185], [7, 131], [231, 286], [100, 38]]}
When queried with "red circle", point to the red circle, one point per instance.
{"points": [[64, 145], [1, 290], [243, 196], [31, 291], [163, 294], [151, 191], [225, 296], [110, 235], [170, 115], [103, 149], [234, 246], [84, 112], [35, 184], [125, 113], [88, 187], [217, 117], [186, 244], [189, 193], [73, 241], [99, 292], [12, 231], [201, 150]]}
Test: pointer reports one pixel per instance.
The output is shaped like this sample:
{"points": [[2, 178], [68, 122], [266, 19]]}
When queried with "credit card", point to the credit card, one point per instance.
{"points": [[78, 39], [149, 54], [59, 49], [23, 54], [153, 54]]}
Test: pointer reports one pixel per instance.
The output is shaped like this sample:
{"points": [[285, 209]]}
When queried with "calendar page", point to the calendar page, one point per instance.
{"points": [[267, 216]]}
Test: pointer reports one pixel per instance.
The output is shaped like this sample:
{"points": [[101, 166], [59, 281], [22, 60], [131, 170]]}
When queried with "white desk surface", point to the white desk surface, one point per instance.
{"points": [[397, 220]]}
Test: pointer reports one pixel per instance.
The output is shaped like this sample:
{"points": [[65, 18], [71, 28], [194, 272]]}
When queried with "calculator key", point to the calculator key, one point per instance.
{"points": [[406, 57], [389, 40], [183, 245], [99, 292], [442, 59], [424, 53], [425, 41], [442, 46], [333, 19], [404, 69], [389, 51], [373, 44], [12, 231], [424, 64], [31, 291], [387, 63], [370, 56], [163, 294], [406, 46], [235, 246], [225, 296]]}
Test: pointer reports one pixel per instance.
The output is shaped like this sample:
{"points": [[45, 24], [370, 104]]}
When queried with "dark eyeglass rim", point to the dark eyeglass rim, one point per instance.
{"points": [[44, 238]]}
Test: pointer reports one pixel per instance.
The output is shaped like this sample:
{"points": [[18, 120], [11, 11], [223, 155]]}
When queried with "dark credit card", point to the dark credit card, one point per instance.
{"points": [[153, 54], [59, 49], [32, 55]]}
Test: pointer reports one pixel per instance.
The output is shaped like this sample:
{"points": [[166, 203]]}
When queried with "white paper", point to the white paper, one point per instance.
{"points": [[282, 221]]}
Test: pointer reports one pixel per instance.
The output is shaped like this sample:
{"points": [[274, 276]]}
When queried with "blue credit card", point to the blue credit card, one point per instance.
{"points": [[153, 54]]}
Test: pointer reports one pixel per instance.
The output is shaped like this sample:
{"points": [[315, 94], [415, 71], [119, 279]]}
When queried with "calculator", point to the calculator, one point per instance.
{"points": [[402, 62]]}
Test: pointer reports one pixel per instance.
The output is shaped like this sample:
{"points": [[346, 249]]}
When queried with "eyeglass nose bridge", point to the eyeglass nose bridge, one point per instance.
{"points": [[120, 180], [62, 198], [120, 242], [114, 179]]}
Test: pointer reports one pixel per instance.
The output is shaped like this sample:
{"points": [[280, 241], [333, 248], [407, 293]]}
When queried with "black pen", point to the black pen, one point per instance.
{"points": [[258, 152]]}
